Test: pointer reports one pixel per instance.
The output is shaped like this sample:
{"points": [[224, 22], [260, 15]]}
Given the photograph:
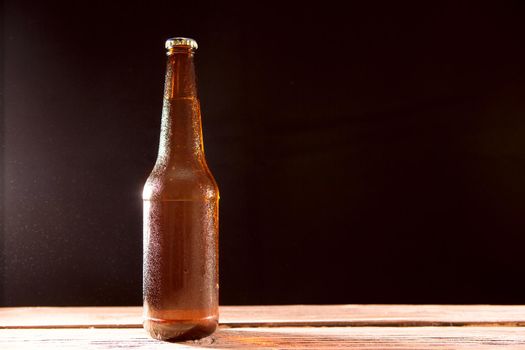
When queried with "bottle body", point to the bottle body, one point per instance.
{"points": [[180, 197], [180, 267]]}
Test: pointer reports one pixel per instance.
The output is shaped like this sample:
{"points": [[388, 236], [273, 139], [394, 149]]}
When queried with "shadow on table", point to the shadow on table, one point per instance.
{"points": [[361, 338]]}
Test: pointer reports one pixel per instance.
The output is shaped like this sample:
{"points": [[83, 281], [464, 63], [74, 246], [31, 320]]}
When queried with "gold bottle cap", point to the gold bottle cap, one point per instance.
{"points": [[180, 41]]}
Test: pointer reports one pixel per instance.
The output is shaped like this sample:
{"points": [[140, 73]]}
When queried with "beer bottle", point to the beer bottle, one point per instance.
{"points": [[181, 198]]}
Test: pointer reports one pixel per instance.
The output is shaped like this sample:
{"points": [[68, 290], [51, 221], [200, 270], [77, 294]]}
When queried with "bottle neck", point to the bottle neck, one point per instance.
{"points": [[180, 74], [181, 131]]}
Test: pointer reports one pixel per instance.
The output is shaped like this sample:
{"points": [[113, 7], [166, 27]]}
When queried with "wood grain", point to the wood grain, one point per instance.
{"points": [[277, 316], [274, 338], [276, 327]]}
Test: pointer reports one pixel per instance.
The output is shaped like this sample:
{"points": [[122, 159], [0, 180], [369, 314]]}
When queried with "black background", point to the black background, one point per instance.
{"points": [[365, 154]]}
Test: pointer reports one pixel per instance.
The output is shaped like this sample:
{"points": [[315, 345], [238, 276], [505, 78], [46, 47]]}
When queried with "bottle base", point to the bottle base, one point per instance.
{"points": [[180, 330]]}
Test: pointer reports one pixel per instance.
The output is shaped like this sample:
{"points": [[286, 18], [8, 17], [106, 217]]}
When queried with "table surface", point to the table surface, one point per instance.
{"points": [[276, 327]]}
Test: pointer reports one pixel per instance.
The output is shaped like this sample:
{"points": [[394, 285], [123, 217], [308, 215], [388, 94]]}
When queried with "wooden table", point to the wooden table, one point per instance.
{"points": [[276, 327]]}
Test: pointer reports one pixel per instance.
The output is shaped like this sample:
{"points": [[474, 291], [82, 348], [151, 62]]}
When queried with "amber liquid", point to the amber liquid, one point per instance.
{"points": [[180, 217], [180, 268]]}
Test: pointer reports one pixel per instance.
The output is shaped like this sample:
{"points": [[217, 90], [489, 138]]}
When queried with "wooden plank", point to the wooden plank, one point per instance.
{"points": [[375, 315], [284, 315], [365, 338], [71, 317]]}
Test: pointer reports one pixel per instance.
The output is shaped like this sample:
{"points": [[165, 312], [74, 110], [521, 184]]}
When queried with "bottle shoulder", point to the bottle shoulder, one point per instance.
{"points": [[178, 182]]}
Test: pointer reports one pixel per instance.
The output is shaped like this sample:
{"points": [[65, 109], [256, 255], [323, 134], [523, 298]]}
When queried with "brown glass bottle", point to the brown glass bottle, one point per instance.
{"points": [[180, 214]]}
